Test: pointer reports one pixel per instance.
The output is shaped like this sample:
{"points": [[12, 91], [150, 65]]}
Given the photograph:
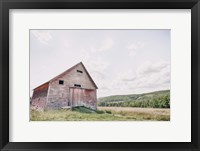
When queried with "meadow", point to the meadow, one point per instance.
{"points": [[103, 114]]}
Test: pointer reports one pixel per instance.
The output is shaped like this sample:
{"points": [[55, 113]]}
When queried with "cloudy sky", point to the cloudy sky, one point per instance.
{"points": [[119, 61]]}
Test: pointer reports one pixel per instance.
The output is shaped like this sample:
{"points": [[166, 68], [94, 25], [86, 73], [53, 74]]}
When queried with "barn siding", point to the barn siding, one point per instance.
{"points": [[83, 97], [53, 95], [59, 95], [39, 98], [74, 77]]}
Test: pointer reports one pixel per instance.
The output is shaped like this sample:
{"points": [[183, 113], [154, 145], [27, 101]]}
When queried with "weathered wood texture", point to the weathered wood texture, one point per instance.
{"points": [[77, 89], [83, 97], [39, 98]]}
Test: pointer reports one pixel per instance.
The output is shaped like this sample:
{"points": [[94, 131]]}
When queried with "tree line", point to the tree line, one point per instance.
{"points": [[156, 101]]}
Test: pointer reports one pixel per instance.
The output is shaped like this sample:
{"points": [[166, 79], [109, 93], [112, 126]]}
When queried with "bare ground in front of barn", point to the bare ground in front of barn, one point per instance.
{"points": [[103, 114]]}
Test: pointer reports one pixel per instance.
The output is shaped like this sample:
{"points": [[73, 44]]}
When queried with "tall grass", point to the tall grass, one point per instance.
{"points": [[102, 114]]}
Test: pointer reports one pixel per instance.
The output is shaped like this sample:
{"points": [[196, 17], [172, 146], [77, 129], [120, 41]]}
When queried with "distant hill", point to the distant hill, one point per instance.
{"points": [[157, 99]]}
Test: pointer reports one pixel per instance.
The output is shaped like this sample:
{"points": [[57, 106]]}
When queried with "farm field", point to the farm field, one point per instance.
{"points": [[103, 114]]}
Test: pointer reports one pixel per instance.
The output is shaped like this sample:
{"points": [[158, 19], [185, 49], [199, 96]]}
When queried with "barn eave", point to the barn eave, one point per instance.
{"points": [[68, 70], [44, 85]]}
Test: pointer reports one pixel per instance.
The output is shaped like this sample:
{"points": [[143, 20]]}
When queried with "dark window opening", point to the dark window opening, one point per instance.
{"points": [[61, 82], [79, 71], [77, 85]]}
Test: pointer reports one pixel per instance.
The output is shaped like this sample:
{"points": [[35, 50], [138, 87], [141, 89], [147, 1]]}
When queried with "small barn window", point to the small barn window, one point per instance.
{"points": [[61, 82], [79, 71], [77, 85]]}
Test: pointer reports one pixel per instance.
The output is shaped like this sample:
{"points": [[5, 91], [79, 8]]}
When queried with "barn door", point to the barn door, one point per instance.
{"points": [[76, 94]]}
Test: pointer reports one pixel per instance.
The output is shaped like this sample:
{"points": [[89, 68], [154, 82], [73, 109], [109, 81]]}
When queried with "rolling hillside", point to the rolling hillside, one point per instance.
{"points": [[157, 99]]}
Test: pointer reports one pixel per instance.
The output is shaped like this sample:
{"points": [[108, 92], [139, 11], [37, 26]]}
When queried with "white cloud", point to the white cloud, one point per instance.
{"points": [[154, 75], [134, 47], [132, 53], [86, 53], [97, 64], [150, 67], [42, 36], [127, 76], [66, 43], [149, 76], [97, 68], [105, 46]]}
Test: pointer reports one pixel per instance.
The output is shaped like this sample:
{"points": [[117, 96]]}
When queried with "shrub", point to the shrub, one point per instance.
{"points": [[99, 112], [109, 112]]}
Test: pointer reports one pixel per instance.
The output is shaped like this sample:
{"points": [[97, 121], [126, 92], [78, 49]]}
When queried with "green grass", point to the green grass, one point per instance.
{"points": [[83, 110], [102, 114]]}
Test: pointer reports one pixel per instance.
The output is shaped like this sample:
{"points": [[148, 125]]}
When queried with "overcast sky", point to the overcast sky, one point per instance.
{"points": [[119, 61]]}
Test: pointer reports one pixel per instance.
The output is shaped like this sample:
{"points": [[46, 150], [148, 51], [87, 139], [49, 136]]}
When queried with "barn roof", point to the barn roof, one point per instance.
{"points": [[68, 70]]}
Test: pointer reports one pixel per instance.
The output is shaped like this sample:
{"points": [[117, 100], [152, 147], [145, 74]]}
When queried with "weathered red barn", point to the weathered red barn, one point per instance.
{"points": [[72, 88]]}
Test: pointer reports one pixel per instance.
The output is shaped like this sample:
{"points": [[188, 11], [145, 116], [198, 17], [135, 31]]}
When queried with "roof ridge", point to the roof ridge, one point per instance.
{"points": [[68, 71]]}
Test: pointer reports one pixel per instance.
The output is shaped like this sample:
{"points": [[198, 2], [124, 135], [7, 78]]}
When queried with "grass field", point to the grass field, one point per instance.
{"points": [[103, 114]]}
